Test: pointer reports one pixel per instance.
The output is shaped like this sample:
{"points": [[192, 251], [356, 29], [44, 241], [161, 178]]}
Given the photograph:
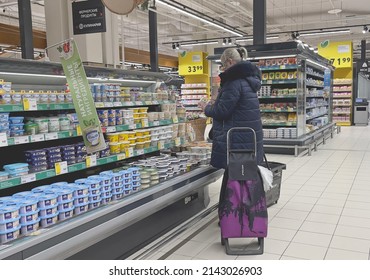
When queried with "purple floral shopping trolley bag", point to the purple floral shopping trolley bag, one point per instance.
{"points": [[242, 207]]}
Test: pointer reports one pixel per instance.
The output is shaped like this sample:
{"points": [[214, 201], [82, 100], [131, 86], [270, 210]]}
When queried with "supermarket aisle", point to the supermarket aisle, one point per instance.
{"points": [[323, 212]]}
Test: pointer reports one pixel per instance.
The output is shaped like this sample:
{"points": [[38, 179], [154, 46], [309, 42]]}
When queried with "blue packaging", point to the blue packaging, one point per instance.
{"points": [[16, 127], [83, 200], [41, 189], [107, 180], [4, 125], [29, 217], [48, 200], [95, 204], [106, 188], [81, 181], [22, 194], [96, 178], [16, 120], [79, 190], [134, 170], [80, 148], [67, 148], [54, 156], [15, 133], [93, 184], [16, 167], [59, 184], [94, 192], [35, 153], [53, 150], [4, 117], [65, 205]]}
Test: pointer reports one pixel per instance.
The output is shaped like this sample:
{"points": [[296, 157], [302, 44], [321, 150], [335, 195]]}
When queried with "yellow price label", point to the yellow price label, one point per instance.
{"points": [[129, 152], [121, 157], [192, 63], [61, 168], [178, 141], [91, 161], [79, 131], [29, 104], [340, 54], [175, 119]]}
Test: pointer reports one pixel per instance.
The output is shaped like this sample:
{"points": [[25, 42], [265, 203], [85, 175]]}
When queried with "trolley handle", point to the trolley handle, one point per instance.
{"points": [[229, 132]]}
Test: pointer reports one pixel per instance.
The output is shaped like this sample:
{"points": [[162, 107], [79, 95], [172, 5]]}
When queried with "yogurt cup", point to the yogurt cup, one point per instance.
{"points": [[81, 200], [29, 217], [66, 205], [106, 194], [81, 209], [45, 212], [19, 195], [28, 206], [117, 196], [64, 195], [106, 188], [9, 224], [48, 200], [65, 214], [96, 178], [94, 198], [126, 174], [94, 204], [9, 235], [49, 220], [106, 200], [94, 191], [30, 227], [9, 212], [92, 184], [80, 190]]}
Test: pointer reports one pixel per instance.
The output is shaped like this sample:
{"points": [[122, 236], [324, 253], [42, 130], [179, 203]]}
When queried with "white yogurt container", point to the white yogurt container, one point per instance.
{"points": [[126, 174], [19, 195], [117, 177], [41, 189], [127, 181], [64, 206], [92, 184], [127, 192], [49, 220], [29, 217], [127, 186], [64, 195], [135, 183], [96, 178], [94, 204], [80, 191], [117, 190], [106, 188], [136, 178], [30, 227], [9, 212], [45, 212], [106, 200], [9, 235], [134, 170], [136, 188], [48, 200], [81, 208], [65, 214], [94, 191], [107, 180], [118, 184], [117, 196], [81, 200], [9, 224], [107, 194], [94, 198]]}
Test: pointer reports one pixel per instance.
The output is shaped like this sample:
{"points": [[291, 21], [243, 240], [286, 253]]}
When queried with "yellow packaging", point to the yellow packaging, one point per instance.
{"points": [[115, 148], [139, 146], [284, 75], [136, 110], [147, 144], [123, 136], [139, 133], [271, 76], [131, 134], [124, 145], [132, 141], [140, 139], [143, 109], [113, 137]]}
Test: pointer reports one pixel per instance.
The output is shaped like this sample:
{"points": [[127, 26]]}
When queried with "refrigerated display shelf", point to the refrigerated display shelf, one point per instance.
{"points": [[341, 113], [314, 75], [317, 116], [277, 97], [279, 67], [32, 177], [278, 111], [313, 85], [279, 82]]}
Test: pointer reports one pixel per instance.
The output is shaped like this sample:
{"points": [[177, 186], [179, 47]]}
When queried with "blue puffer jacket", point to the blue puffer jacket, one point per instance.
{"points": [[237, 105]]}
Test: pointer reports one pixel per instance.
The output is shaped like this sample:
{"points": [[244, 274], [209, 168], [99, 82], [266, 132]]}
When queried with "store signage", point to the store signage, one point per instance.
{"points": [[29, 104], [91, 161], [88, 17], [82, 98], [191, 63], [340, 54], [61, 168], [363, 66]]}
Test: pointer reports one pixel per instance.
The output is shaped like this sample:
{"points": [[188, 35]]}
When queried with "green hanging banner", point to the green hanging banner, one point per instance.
{"points": [[82, 97]]}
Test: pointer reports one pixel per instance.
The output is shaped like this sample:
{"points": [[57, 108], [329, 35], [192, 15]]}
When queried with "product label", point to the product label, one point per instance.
{"points": [[111, 129], [3, 140], [51, 136], [79, 132], [129, 152], [175, 119], [121, 157], [29, 104], [140, 152], [37, 138], [61, 168], [160, 145], [178, 141], [91, 161], [28, 178], [21, 140]]}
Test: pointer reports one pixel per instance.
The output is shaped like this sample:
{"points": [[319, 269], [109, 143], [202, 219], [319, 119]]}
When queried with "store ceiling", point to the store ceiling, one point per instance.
{"points": [[173, 26]]}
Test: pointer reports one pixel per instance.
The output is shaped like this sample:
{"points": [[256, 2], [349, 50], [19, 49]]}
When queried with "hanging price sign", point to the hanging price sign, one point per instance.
{"points": [[340, 54], [192, 63], [61, 168], [29, 104]]}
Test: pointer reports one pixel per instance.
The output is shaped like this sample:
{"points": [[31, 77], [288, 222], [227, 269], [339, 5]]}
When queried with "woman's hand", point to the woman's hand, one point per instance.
{"points": [[202, 104]]}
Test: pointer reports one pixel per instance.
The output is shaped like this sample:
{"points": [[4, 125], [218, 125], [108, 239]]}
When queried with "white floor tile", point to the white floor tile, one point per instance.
{"points": [[334, 196], [305, 193], [331, 202], [323, 218], [360, 198], [357, 205], [191, 248], [310, 238], [324, 228], [281, 233], [350, 244], [215, 251], [303, 199], [286, 258], [308, 252], [327, 210], [274, 246], [356, 213], [265, 256], [278, 222], [299, 206], [292, 214], [354, 232], [354, 221], [337, 254], [178, 257]]}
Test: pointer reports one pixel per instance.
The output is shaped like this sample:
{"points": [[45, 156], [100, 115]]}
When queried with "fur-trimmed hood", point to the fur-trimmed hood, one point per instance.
{"points": [[243, 70]]}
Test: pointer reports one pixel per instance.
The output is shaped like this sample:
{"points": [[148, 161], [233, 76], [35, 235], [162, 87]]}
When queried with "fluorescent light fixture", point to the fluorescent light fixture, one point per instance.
{"points": [[64, 77], [199, 43], [334, 32], [251, 39], [199, 18]]}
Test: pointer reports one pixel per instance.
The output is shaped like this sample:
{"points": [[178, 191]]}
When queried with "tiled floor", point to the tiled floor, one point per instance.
{"points": [[323, 212]]}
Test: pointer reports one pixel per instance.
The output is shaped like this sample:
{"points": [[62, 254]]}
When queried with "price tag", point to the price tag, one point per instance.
{"points": [[21, 140], [117, 104], [140, 152], [99, 104], [178, 141], [29, 104], [37, 138], [175, 119], [160, 145], [156, 123], [129, 152], [132, 126], [139, 103], [61, 168], [51, 136], [79, 132], [121, 156], [3, 140], [282, 67], [91, 161], [129, 103], [28, 178], [278, 109], [108, 104], [144, 123], [111, 129], [148, 102], [269, 82], [155, 102], [339, 53]]}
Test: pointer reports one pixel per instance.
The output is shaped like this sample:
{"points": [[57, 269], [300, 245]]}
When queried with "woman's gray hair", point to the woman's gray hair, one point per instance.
{"points": [[235, 54]]}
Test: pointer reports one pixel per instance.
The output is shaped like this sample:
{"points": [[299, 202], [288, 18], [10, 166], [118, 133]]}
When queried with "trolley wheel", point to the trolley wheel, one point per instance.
{"points": [[222, 241]]}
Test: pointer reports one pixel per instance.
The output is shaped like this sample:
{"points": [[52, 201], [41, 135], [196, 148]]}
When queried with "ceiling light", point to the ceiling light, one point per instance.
{"points": [[251, 39], [199, 43], [229, 41], [334, 32], [173, 46], [224, 41], [335, 11], [177, 46], [208, 21], [365, 29]]}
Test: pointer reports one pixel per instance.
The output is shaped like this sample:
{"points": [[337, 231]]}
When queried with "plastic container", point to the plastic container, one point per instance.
{"points": [[29, 217], [43, 124], [64, 124], [95, 204], [44, 212], [82, 200], [106, 188], [16, 120], [117, 197], [3, 175], [113, 137], [30, 227], [65, 214], [126, 174], [114, 148], [65, 205], [42, 189], [16, 167], [49, 220], [94, 191], [93, 184], [9, 235], [136, 178], [48, 200], [81, 208], [9, 224], [9, 212], [94, 198], [134, 170], [106, 200], [28, 205]]}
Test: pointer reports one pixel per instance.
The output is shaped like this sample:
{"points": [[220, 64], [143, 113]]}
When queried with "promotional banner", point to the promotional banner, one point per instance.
{"points": [[82, 97]]}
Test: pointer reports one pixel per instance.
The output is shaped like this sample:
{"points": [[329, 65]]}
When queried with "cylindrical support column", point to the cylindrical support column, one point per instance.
{"points": [[259, 22], [363, 50], [153, 40], [25, 28]]}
